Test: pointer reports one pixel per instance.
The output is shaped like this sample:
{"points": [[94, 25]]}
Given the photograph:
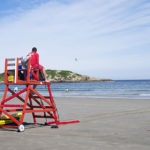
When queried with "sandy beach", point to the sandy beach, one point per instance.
{"points": [[105, 124]]}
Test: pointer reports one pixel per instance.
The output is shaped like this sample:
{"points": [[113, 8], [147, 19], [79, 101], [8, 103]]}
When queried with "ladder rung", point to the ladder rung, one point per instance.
{"points": [[37, 97], [11, 70], [13, 64], [13, 59], [41, 107], [10, 64], [44, 110], [12, 105], [40, 116]]}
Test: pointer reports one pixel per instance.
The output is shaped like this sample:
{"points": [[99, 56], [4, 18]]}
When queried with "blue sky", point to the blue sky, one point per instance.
{"points": [[110, 39]]}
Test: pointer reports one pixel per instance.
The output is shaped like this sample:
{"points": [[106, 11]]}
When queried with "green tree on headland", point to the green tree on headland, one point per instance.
{"points": [[2, 77]]}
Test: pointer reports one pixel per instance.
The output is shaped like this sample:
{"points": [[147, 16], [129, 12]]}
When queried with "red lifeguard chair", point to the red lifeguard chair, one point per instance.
{"points": [[32, 102]]}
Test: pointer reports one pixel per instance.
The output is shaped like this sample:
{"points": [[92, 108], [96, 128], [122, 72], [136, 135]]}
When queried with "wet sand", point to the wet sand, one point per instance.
{"points": [[105, 124]]}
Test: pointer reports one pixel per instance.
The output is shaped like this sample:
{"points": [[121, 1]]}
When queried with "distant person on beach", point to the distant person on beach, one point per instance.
{"points": [[35, 62]]}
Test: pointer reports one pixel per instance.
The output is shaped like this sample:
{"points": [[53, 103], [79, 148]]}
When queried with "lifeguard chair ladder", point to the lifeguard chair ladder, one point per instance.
{"points": [[33, 102]]}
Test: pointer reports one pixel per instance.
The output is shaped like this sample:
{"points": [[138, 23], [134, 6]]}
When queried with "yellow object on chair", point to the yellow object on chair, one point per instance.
{"points": [[10, 78]]}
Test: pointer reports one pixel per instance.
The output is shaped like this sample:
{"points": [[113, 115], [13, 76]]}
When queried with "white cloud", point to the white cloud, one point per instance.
{"points": [[97, 32]]}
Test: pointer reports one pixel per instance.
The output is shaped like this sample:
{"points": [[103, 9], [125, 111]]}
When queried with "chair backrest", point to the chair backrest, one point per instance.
{"points": [[10, 69], [14, 69]]}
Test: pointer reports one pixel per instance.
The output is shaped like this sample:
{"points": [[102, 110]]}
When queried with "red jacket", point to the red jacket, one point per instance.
{"points": [[34, 59]]}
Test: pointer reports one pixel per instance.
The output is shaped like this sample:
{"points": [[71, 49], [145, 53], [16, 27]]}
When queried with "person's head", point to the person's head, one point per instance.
{"points": [[34, 49]]}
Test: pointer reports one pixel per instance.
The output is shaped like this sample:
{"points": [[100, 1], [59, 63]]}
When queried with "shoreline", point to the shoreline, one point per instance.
{"points": [[101, 98], [93, 97]]}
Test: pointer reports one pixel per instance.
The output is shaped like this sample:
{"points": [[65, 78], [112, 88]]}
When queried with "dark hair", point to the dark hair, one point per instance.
{"points": [[34, 49]]}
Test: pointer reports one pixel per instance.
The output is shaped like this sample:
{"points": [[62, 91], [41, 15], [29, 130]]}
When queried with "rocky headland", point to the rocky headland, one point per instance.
{"points": [[69, 76]]}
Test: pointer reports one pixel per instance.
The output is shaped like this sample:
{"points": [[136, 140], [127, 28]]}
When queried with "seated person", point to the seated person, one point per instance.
{"points": [[35, 62]]}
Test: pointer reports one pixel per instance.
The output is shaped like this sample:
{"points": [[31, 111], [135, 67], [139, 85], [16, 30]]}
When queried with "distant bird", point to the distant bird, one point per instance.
{"points": [[76, 59]]}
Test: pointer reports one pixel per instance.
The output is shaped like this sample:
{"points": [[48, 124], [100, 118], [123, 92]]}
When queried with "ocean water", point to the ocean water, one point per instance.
{"points": [[133, 89]]}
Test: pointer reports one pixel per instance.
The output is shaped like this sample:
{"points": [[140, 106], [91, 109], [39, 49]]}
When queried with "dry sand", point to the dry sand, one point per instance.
{"points": [[105, 124]]}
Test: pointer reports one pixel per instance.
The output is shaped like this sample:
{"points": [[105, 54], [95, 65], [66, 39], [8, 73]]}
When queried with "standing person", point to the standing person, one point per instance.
{"points": [[35, 62]]}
